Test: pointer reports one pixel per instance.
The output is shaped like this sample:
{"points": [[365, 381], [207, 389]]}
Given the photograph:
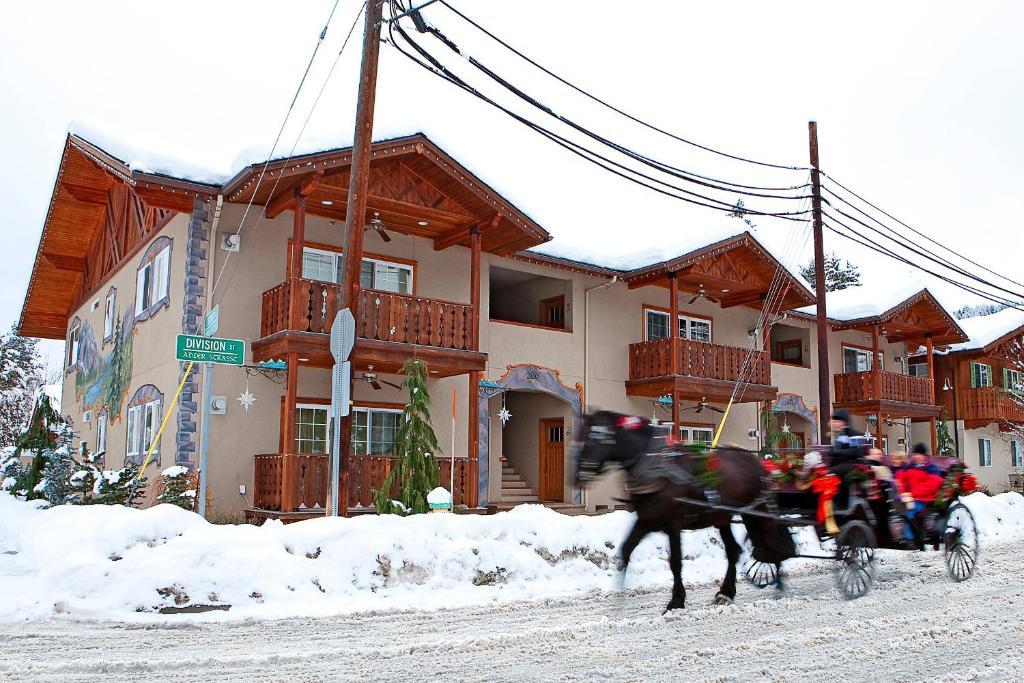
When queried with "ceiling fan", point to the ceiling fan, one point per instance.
{"points": [[702, 404], [377, 225], [702, 294], [371, 378]]}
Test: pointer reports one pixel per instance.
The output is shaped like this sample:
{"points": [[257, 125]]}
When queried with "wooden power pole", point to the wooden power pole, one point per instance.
{"points": [[824, 377], [355, 214]]}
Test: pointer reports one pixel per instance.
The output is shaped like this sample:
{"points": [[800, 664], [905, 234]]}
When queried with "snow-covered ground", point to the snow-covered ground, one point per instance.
{"points": [[528, 594], [117, 563]]}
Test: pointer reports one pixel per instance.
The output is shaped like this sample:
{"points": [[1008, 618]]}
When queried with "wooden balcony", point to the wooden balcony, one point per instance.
{"points": [[886, 394], [308, 481], [390, 328], [982, 406], [704, 371]]}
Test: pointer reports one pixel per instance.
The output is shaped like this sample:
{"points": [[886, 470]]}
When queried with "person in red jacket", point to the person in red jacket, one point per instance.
{"points": [[919, 484]]}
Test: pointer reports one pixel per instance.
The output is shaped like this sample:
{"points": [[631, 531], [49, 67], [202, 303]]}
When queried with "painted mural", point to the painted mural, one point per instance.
{"points": [[102, 380]]}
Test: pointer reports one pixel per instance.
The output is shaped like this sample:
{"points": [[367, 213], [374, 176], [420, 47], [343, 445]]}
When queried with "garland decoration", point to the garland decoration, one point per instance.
{"points": [[958, 482], [707, 465]]}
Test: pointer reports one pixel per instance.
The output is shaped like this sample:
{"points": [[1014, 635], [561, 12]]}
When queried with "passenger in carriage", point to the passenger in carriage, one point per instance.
{"points": [[847, 451], [880, 505], [919, 483]]}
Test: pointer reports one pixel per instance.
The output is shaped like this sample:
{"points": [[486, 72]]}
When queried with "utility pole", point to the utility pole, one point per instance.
{"points": [[824, 377], [355, 214]]}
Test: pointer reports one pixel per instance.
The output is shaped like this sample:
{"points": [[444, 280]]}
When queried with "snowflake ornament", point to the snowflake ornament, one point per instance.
{"points": [[504, 415], [247, 399]]}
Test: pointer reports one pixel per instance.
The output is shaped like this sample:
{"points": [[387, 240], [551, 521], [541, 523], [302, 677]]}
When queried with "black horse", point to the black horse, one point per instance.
{"points": [[609, 437]]}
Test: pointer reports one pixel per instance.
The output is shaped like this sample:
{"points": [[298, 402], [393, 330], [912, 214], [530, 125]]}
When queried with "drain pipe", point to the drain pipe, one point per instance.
{"points": [[586, 350]]}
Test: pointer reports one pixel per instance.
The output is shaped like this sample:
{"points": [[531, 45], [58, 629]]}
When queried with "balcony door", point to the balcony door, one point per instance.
{"points": [[552, 312], [552, 459]]}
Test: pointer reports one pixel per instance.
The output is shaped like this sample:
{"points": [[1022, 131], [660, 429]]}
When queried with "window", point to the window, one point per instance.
{"points": [[790, 351], [1016, 457], [985, 452], [1011, 380], [73, 342], [696, 435], [101, 434], [885, 443], [859, 360], [310, 428], [695, 329], [153, 278], [918, 369], [151, 425], [981, 375], [326, 266], [109, 312], [134, 418], [374, 430]]}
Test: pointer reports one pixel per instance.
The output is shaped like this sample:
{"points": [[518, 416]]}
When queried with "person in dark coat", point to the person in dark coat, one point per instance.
{"points": [[848, 445]]}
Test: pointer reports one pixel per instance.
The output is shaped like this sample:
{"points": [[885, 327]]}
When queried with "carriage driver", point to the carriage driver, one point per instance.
{"points": [[847, 444]]}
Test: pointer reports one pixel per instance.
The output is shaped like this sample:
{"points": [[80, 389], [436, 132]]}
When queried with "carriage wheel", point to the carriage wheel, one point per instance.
{"points": [[855, 558], [960, 539], [762, 574]]}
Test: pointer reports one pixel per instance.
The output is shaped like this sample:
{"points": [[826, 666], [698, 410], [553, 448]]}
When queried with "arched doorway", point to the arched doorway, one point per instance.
{"points": [[527, 379], [793, 404]]}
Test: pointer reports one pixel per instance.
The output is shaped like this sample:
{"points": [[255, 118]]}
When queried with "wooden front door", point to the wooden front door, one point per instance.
{"points": [[552, 459], [552, 312]]}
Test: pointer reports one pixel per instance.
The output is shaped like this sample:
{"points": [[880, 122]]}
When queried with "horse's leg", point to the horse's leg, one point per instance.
{"points": [[636, 534], [727, 593], [675, 561]]}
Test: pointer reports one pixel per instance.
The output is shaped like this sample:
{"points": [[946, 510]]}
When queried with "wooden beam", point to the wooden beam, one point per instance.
{"points": [[673, 323], [472, 492], [474, 285], [930, 349], [456, 236], [288, 428], [295, 268], [743, 298], [876, 373], [286, 198], [66, 262]]}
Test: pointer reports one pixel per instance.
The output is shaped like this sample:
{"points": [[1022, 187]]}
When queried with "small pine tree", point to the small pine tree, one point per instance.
{"points": [[838, 274], [56, 486], [416, 471], [21, 374], [176, 488], [943, 439], [120, 487], [44, 431], [10, 469]]}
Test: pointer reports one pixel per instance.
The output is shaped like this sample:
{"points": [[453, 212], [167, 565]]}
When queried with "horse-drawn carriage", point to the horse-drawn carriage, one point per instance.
{"points": [[673, 489]]}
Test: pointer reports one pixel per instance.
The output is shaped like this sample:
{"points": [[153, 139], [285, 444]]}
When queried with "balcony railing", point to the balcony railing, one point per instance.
{"points": [[385, 316], [990, 404], [651, 359], [853, 387], [286, 482]]}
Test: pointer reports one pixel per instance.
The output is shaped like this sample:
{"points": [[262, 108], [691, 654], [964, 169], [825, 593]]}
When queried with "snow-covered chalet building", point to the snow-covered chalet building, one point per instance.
{"points": [[456, 275]]}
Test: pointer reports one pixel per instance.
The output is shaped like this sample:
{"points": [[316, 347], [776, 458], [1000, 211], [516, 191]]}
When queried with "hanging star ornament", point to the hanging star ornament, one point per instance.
{"points": [[247, 399], [785, 427], [504, 415]]}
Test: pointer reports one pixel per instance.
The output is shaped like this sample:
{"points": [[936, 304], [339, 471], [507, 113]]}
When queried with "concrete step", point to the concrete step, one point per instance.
{"points": [[514, 484]]}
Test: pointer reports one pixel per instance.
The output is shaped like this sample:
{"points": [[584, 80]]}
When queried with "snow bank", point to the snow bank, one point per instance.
{"points": [[98, 562]]}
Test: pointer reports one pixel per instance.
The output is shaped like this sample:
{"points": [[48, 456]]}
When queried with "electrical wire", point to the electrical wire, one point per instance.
{"points": [[658, 165], [280, 132], [618, 110], [439, 70], [918, 232]]}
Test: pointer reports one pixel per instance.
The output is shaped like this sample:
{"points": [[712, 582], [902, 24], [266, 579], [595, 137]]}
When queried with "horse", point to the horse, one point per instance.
{"points": [[609, 437]]}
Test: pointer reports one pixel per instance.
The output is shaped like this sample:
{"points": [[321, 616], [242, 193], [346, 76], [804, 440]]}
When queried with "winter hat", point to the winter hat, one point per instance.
{"points": [[921, 448], [841, 415]]}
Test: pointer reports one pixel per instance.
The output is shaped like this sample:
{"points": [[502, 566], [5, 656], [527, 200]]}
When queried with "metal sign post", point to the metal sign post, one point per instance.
{"points": [[204, 439], [343, 338]]}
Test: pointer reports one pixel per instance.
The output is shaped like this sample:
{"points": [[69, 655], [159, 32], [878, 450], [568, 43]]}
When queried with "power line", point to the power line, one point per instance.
{"points": [[616, 109], [659, 165], [440, 71], [915, 231]]}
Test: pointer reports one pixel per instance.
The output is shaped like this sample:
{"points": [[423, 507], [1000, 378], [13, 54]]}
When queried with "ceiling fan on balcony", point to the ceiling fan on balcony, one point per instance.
{"points": [[702, 404], [371, 378], [702, 294], [377, 225]]}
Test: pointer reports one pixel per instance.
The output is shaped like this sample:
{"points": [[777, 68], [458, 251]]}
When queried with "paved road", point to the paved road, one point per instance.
{"points": [[915, 626]]}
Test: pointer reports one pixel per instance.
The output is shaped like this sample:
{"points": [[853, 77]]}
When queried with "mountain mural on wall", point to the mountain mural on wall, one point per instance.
{"points": [[102, 380]]}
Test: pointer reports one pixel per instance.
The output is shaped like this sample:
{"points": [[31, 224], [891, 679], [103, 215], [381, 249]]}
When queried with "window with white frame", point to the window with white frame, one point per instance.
{"points": [[374, 430], [859, 360], [1016, 456], [985, 452], [143, 426], [1011, 380], [981, 375], [696, 435], [326, 266], [74, 338], [101, 434], [109, 313], [150, 426], [656, 326], [152, 281], [310, 428], [133, 423]]}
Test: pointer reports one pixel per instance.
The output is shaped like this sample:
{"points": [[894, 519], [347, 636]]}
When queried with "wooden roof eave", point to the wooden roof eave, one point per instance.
{"points": [[952, 333]]}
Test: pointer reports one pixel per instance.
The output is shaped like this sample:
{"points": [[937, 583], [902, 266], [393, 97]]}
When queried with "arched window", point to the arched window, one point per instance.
{"points": [[74, 341], [144, 413], [152, 281], [110, 314]]}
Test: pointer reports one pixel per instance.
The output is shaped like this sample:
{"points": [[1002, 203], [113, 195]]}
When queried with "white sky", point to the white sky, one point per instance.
{"points": [[918, 104]]}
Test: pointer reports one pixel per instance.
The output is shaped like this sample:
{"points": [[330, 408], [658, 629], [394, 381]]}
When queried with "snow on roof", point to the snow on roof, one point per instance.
{"points": [[985, 329], [867, 300]]}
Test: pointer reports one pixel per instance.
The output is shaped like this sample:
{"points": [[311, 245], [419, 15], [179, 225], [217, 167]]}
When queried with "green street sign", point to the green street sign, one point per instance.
{"points": [[210, 350]]}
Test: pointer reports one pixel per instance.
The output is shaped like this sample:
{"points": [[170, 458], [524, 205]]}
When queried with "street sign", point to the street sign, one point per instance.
{"points": [[343, 335], [211, 322], [341, 389], [210, 350]]}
